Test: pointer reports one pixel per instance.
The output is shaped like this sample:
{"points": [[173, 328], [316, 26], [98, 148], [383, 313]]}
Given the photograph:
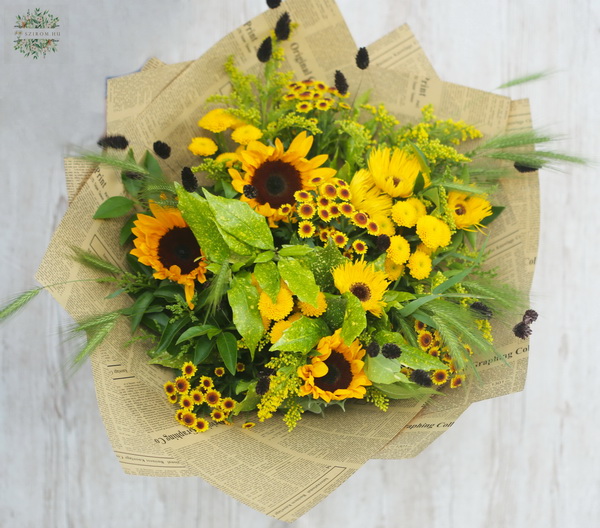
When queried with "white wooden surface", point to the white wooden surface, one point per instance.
{"points": [[526, 460]]}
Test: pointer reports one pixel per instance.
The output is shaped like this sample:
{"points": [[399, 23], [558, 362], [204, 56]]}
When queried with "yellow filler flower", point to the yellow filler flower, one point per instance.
{"points": [[337, 373], [166, 243], [272, 175]]}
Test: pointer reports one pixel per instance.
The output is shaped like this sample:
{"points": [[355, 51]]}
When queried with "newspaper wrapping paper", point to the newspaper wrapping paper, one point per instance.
{"points": [[278, 473]]}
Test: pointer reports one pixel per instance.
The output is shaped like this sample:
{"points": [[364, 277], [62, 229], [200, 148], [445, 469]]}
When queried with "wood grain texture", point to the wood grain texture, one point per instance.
{"points": [[526, 460]]}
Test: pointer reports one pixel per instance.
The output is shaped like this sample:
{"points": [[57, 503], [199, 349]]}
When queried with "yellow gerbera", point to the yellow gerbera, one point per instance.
{"points": [[364, 282], [468, 210], [274, 174], [165, 242], [337, 373], [394, 171], [367, 197]]}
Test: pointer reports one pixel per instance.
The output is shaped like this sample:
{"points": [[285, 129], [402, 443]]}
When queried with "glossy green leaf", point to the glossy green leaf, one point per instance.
{"points": [[336, 309], [125, 233], [265, 256], [114, 207], [300, 280], [355, 319], [322, 261], [201, 219], [302, 336], [295, 251], [195, 331], [227, 346], [239, 220], [380, 369], [171, 331], [243, 299], [268, 278], [202, 349], [139, 307]]}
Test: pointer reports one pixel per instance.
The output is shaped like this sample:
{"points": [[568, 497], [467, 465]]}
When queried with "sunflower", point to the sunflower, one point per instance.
{"points": [[363, 281], [337, 373], [468, 210], [394, 171], [166, 243], [276, 174]]}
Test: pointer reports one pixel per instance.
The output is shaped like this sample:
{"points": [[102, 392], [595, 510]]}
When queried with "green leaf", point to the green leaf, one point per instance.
{"points": [[171, 330], [202, 349], [404, 391], [302, 336], [151, 164], [139, 309], [125, 233], [417, 359], [336, 310], [243, 299], [417, 303], [355, 319], [298, 250], [168, 360], [201, 219], [459, 277], [239, 220], [322, 261], [227, 346], [195, 331], [268, 278], [300, 280], [114, 207], [265, 256], [380, 369], [249, 402]]}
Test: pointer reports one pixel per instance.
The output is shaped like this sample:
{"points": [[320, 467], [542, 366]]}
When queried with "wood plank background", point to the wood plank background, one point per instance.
{"points": [[526, 460]]}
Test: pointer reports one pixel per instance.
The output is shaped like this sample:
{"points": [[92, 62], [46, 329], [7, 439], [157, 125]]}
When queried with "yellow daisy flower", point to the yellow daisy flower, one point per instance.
{"points": [[201, 425], [306, 229], [188, 369], [440, 377], [468, 210], [364, 282], [394, 171], [337, 372], [165, 242]]}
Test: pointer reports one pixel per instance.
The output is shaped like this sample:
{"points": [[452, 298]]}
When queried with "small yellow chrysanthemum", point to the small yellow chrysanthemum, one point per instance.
{"points": [[281, 326], [188, 369], [276, 311], [393, 271], [440, 377], [419, 265], [360, 247], [306, 229], [217, 120], [399, 249], [312, 311], [201, 425], [202, 146], [219, 372], [246, 133], [434, 232], [404, 214], [304, 107]]}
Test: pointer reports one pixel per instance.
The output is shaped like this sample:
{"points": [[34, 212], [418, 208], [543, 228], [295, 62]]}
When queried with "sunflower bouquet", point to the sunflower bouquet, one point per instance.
{"points": [[291, 244], [332, 255]]}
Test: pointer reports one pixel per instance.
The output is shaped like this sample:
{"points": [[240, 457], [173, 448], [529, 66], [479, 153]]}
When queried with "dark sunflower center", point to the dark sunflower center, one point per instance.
{"points": [[361, 290], [339, 375], [460, 209], [179, 247], [276, 182]]}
